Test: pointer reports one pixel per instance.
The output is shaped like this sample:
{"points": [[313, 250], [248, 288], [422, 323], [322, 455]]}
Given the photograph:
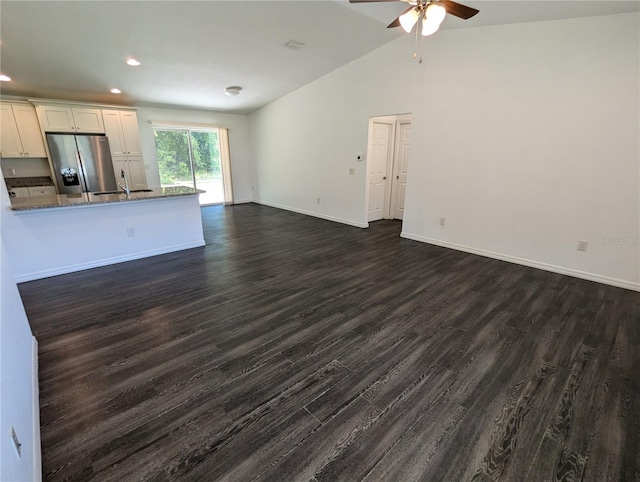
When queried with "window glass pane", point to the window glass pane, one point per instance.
{"points": [[185, 155], [205, 148], [174, 164]]}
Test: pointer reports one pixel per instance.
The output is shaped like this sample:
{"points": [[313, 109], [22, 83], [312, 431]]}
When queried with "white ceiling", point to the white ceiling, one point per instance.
{"points": [[192, 50]]}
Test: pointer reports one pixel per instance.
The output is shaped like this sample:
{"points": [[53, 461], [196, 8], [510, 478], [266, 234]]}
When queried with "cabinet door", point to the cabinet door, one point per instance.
{"points": [[29, 131], [137, 177], [88, 120], [120, 163], [56, 118], [131, 133], [19, 192], [10, 145], [42, 191], [113, 129]]}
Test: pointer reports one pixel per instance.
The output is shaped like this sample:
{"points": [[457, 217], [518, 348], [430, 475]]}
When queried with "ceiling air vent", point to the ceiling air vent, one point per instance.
{"points": [[294, 45]]}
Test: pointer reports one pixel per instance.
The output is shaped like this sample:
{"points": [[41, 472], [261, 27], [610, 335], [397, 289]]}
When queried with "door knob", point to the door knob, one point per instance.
{"points": [[384, 178]]}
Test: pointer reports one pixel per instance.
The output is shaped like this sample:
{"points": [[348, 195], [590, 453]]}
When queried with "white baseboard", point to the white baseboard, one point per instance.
{"points": [[105, 261], [35, 407], [314, 214], [630, 285]]}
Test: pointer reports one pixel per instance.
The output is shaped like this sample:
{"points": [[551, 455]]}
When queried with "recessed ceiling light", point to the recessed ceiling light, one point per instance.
{"points": [[4, 78], [133, 62], [116, 91], [233, 90]]}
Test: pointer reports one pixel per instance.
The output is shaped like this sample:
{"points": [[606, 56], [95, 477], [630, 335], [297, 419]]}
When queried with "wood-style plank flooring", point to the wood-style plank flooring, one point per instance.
{"points": [[293, 348]]}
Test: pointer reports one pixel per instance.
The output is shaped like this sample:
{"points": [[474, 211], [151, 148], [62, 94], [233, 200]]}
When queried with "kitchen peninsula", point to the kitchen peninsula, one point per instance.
{"points": [[52, 235]]}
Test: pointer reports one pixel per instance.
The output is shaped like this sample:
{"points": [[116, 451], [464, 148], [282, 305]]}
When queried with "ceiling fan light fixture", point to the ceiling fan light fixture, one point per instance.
{"points": [[436, 13], [429, 27], [409, 19]]}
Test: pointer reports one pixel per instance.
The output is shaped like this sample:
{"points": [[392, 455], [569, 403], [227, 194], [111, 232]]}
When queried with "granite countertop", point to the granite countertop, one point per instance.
{"points": [[91, 199]]}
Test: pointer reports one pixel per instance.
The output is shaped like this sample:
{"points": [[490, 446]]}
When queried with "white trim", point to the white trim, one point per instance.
{"points": [[177, 125], [315, 215], [630, 285], [72, 103], [242, 201], [35, 418], [106, 261], [225, 164]]}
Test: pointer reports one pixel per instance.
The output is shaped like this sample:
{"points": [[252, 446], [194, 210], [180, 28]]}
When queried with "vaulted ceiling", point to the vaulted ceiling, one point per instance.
{"points": [[192, 50]]}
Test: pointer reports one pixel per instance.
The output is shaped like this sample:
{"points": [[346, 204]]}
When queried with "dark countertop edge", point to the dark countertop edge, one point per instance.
{"points": [[98, 201]]}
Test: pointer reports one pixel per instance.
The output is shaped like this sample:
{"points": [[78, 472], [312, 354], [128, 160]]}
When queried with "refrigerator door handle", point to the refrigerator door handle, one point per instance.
{"points": [[82, 170]]}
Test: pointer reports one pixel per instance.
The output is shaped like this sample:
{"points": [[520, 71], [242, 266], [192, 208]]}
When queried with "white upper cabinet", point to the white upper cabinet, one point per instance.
{"points": [[121, 128], [88, 120], [113, 129], [29, 131], [10, 145], [131, 133], [20, 134], [61, 118]]}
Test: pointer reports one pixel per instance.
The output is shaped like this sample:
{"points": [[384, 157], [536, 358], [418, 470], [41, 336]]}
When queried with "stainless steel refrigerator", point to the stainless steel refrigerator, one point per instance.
{"points": [[82, 163]]}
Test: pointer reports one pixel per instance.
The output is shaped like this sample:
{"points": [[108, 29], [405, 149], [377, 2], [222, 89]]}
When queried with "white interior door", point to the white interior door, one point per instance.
{"points": [[401, 162], [380, 149]]}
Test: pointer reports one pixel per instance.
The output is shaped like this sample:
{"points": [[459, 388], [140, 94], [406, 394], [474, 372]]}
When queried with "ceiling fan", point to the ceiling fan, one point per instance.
{"points": [[432, 13]]}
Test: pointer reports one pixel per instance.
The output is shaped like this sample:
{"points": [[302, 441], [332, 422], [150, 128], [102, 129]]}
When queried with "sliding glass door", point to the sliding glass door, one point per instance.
{"points": [[191, 157]]}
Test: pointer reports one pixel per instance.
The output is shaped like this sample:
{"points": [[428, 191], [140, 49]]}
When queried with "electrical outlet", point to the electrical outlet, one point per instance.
{"points": [[131, 232], [352, 171], [317, 200], [16, 442], [582, 245], [442, 221]]}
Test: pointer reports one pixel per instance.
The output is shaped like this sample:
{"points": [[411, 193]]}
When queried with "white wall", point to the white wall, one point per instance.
{"points": [[18, 367], [525, 138], [241, 163]]}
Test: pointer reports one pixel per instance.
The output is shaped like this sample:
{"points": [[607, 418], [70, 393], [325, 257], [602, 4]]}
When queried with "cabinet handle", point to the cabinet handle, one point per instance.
{"points": [[26, 154]]}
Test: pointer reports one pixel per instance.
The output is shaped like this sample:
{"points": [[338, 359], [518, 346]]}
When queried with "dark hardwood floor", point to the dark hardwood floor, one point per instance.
{"points": [[292, 348]]}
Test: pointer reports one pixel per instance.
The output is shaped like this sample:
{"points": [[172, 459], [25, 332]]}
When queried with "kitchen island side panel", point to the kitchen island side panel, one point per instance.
{"points": [[49, 242]]}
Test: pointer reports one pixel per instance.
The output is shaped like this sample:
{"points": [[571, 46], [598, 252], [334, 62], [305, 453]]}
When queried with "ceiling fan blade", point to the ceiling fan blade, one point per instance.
{"points": [[458, 10], [396, 22]]}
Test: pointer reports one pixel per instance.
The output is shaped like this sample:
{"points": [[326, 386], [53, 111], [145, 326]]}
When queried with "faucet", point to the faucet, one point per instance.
{"points": [[125, 188]]}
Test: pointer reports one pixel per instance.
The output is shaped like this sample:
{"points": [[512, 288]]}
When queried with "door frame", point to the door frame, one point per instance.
{"points": [[391, 168]]}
